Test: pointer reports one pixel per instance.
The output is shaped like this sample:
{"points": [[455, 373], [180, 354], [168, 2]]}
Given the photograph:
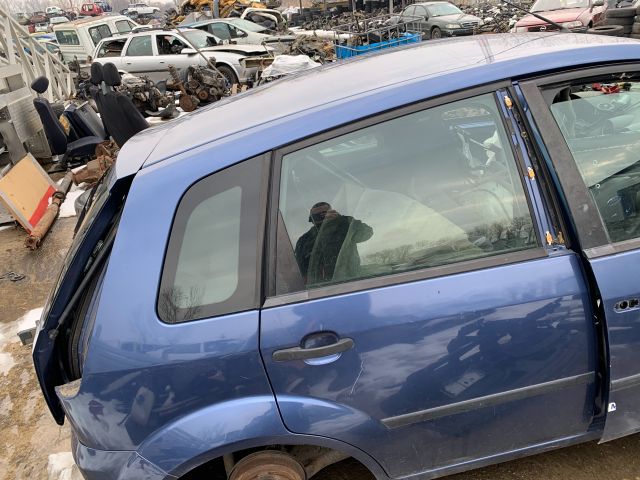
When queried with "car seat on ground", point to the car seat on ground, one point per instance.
{"points": [[79, 150], [120, 116]]}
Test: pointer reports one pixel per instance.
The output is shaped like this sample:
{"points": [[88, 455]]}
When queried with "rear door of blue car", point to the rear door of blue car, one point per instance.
{"points": [[419, 306], [590, 121]]}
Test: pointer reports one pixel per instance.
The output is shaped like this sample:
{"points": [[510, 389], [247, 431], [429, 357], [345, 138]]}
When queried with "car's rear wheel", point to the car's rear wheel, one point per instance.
{"points": [[268, 465], [228, 73], [436, 32]]}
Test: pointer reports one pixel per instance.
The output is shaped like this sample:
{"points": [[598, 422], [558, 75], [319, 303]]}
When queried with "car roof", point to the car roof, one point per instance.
{"points": [[342, 92], [98, 19]]}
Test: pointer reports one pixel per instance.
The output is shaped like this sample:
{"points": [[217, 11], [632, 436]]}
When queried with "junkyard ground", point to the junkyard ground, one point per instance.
{"points": [[33, 446]]}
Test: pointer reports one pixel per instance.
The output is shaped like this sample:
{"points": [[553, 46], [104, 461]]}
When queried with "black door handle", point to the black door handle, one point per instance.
{"points": [[298, 353]]}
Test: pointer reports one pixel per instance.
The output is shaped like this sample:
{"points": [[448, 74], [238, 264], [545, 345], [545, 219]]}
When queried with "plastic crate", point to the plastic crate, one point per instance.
{"points": [[345, 51]]}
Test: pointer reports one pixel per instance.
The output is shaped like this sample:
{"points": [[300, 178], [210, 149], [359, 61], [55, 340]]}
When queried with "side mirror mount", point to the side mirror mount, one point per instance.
{"points": [[188, 51]]}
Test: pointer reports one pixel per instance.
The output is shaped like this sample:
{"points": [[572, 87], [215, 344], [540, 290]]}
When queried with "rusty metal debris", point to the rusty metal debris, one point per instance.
{"points": [[144, 94], [318, 49], [106, 154], [42, 227], [188, 103], [13, 276], [207, 84]]}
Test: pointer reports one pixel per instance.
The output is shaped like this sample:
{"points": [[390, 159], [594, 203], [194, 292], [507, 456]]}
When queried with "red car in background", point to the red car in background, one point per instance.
{"points": [[91, 9], [576, 15]]}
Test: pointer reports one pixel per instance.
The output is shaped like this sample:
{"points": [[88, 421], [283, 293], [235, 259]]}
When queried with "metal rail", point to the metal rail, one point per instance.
{"points": [[18, 47]]}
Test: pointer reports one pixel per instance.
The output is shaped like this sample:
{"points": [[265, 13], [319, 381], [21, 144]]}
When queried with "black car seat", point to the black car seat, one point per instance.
{"points": [[85, 121], [120, 116], [57, 138]]}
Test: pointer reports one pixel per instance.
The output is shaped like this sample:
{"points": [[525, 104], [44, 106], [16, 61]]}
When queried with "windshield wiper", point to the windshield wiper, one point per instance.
{"points": [[560, 27]]}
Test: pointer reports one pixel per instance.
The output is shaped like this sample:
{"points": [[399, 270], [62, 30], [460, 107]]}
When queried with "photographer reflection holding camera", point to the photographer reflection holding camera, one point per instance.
{"points": [[328, 251]]}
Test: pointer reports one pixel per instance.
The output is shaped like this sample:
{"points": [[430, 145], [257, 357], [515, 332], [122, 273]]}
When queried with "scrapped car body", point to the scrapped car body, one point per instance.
{"points": [[441, 19], [576, 15], [429, 270], [78, 38], [151, 52], [242, 32]]}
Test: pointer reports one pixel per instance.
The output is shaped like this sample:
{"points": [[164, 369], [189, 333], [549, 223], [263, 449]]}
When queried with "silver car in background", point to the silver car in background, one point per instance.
{"points": [[151, 52]]}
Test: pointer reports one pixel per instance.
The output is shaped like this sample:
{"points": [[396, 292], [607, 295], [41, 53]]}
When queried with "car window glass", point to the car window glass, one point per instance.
{"points": [[99, 32], [426, 189], [140, 46], [123, 26], [210, 266], [67, 37], [601, 125], [111, 48], [221, 30], [169, 45], [235, 33], [410, 11]]}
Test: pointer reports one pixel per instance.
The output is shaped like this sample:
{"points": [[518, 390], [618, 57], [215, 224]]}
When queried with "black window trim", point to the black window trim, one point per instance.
{"points": [[209, 311], [273, 300], [592, 233]]}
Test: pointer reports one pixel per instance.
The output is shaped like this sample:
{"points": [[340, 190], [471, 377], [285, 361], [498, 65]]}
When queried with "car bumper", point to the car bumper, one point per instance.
{"points": [[457, 32], [114, 465]]}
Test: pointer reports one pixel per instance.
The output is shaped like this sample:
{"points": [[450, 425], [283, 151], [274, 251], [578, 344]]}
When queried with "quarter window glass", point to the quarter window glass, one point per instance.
{"points": [[123, 26], [99, 32], [210, 268], [601, 125], [140, 46], [220, 30], [427, 189], [67, 37]]}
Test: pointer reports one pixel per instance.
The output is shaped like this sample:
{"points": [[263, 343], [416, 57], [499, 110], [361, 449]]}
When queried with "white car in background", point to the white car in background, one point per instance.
{"points": [[241, 31], [150, 53], [141, 9], [58, 20]]}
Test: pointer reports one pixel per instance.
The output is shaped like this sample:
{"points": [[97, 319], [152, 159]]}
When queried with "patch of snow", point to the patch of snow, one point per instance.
{"points": [[6, 227], [62, 467], [68, 209], [6, 363], [6, 405], [9, 331]]}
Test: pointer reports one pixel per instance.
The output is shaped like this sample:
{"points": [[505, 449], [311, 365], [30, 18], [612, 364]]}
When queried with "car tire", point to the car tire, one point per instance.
{"points": [[435, 33], [627, 29], [635, 28], [228, 73], [610, 30], [635, 35], [621, 12], [619, 21], [638, 10]]}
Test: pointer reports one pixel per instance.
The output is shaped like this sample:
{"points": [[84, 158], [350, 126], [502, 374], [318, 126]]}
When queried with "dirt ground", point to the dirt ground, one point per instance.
{"points": [[32, 446]]}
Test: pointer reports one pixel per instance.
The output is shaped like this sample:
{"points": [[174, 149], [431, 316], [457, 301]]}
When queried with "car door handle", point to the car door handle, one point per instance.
{"points": [[299, 353]]}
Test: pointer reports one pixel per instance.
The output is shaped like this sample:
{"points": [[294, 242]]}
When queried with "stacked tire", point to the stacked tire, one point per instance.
{"points": [[619, 22]]}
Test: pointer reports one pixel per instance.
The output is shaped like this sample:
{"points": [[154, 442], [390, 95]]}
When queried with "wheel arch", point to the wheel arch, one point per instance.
{"points": [[229, 427]]}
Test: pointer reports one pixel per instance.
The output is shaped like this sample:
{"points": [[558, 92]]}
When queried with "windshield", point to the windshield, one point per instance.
{"points": [[199, 39], [247, 25], [548, 5], [443, 9]]}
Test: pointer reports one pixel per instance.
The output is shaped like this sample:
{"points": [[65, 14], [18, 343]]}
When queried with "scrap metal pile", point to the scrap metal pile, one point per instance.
{"points": [[497, 18], [197, 84]]}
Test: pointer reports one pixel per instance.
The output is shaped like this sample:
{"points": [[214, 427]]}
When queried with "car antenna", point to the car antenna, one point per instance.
{"points": [[517, 7]]}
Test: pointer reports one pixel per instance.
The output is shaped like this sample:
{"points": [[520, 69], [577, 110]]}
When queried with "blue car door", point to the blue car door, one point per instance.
{"points": [[591, 120], [415, 309]]}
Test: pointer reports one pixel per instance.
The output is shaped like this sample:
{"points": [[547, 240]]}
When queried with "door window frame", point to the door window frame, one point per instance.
{"points": [[592, 234], [273, 300]]}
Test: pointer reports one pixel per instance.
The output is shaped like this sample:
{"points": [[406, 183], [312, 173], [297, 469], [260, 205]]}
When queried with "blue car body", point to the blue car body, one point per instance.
{"points": [[413, 397]]}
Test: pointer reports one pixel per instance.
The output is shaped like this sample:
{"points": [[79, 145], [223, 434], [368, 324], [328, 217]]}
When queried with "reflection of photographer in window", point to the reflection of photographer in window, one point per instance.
{"points": [[329, 251]]}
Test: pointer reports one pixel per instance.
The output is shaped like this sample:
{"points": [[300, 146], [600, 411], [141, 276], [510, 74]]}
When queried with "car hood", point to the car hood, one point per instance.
{"points": [[241, 49], [558, 16], [456, 18]]}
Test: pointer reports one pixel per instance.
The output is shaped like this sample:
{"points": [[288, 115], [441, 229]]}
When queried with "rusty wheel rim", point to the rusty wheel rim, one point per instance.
{"points": [[268, 465]]}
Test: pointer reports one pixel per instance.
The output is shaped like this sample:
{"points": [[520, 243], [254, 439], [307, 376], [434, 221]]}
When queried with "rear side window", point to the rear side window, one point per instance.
{"points": [[67, 37], [210, 266], [123, 26], [99, 32], [112, 48], [140, 47], [428, 189], [599, 122]]}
